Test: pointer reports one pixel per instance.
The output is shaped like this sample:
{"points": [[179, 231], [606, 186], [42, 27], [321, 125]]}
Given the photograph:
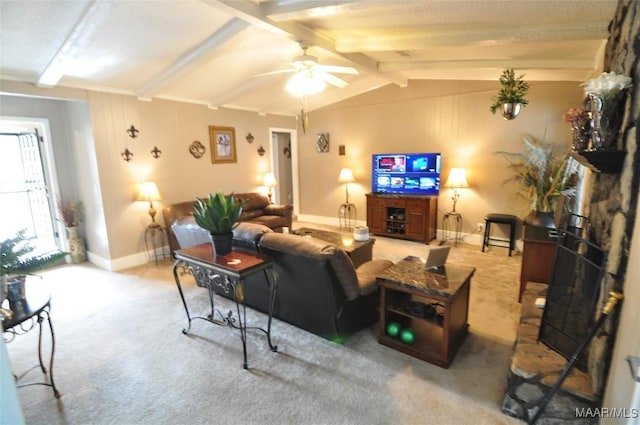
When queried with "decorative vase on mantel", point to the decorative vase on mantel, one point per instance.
{"points": [[222, 243], [607, 113], [77, 249]]}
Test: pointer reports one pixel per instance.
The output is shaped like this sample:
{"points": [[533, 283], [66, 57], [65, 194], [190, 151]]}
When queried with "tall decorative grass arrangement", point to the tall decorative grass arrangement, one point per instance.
{"points": [[542, 173]]}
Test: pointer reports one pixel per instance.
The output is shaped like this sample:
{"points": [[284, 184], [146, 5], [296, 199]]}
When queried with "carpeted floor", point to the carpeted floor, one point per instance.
{"points": [[121, 357]]}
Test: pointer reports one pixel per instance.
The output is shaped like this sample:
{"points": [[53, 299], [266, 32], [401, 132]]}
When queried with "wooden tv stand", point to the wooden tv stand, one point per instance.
{"points": [[402, 216]]}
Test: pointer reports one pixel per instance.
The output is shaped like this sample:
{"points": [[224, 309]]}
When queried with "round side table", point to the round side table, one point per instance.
{"points": [[27, 312]]}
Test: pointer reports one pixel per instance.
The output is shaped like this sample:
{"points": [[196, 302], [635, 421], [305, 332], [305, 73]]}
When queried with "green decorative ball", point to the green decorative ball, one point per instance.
{"points": [[393, 329], [407, 336]]}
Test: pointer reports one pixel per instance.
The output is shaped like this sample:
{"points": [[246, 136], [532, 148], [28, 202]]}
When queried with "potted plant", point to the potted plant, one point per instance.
{"points": [[16, 263], [219, 215], [543, 175], [511, 96]]}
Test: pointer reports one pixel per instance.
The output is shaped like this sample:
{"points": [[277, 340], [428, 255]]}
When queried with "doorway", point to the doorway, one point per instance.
{"points": [[284, 163], [28, 184]]}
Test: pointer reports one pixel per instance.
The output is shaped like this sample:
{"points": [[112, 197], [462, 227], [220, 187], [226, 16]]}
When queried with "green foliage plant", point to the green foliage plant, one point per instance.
{"points": [[15, 259], [512, 90], [542, 174], [217, 214]]}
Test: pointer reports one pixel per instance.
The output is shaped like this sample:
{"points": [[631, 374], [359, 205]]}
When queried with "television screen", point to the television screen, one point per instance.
{"points": [[406, 173]]}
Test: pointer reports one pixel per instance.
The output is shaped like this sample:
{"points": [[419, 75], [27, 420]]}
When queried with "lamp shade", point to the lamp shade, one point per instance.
{"points": [[269, 180], [457, 178], [346, 176], [149, 192]]}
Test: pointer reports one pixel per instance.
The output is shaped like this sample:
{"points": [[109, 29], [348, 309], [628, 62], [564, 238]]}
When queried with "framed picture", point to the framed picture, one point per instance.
{"points": [[322, 143], [223, 144]]}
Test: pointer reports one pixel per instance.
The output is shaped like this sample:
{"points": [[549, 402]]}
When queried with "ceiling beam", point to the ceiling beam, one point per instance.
{"points": [[253, 14], [289, 10], [82, 30], [191, 57], [249, 85], [522, 64], [423, 39]]}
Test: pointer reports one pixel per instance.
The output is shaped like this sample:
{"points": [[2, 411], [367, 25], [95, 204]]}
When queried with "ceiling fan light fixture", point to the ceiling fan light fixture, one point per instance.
{"points": [[304, 83]]}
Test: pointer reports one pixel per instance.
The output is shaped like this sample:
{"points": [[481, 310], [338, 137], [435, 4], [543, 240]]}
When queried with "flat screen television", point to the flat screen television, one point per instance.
{"points": [[406, 173]]}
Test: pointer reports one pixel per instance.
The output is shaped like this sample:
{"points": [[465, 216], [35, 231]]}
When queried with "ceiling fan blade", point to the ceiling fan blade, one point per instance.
{"points": [[331, 79], [339, 69], [281, 71]]}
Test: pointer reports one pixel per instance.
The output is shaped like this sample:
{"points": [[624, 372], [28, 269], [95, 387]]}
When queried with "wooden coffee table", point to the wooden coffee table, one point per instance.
{"points": [[432, 304], [358, 251]]}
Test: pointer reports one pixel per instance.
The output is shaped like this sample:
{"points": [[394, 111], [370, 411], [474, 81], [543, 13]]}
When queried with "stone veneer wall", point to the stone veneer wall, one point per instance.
{"points": [[613, 197], [534, 370], [609, 200]]}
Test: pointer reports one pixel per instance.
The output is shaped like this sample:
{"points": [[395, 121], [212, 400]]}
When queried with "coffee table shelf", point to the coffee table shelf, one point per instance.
{"points": [[407, 289]]}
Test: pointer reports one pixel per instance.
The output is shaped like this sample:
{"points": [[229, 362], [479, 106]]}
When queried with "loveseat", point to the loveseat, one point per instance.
{"points": [[256, 208], [319, 289]]}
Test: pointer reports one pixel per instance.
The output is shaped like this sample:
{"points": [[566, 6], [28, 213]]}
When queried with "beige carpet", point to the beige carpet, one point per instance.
{"points": [[121, 357]]}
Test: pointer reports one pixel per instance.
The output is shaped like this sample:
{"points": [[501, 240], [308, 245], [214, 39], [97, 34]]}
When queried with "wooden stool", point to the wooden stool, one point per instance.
{"points": [[511, 220]]}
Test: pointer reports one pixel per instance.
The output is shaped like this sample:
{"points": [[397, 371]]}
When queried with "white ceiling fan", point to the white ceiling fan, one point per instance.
{"points": [[310, 77]]}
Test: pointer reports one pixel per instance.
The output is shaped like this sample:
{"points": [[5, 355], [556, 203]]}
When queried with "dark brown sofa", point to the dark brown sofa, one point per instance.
{"points": [[319, 288], [256, 209]]}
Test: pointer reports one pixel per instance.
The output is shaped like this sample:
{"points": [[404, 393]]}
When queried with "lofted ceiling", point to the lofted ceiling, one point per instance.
{"points": [[211, 51]]}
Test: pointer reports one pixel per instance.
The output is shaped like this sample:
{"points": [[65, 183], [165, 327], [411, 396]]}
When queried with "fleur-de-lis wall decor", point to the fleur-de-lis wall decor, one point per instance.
{"points": [[155, 152], [133, 132], [127, 155]]}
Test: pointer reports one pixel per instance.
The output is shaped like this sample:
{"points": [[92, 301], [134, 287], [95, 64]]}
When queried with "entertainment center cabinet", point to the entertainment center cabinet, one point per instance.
{"points": [[410, 217]]}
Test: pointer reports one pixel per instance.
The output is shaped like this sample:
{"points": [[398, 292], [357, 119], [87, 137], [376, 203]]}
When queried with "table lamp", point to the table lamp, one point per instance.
{"points": [[269, 180], [346, 177], [149, 192], [457, 179]]}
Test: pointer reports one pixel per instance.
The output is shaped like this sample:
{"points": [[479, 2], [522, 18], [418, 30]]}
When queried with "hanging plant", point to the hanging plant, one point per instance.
{"points": [[512, 92]]}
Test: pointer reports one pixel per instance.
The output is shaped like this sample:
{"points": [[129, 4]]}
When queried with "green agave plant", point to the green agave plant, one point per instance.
{"points": [[217, 214], [542, 174], [14, 257]]}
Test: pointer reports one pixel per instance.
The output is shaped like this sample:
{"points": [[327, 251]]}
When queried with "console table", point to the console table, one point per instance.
{"points": [[538, 255], [227, 273], [433, 304], [32, 309]]}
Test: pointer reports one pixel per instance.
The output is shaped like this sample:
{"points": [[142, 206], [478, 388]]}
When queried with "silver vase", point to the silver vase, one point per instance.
{"points": [[607, 112], [510, 110]]}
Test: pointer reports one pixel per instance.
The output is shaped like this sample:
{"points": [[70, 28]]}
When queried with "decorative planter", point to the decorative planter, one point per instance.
{"points": [[541, 219], [16, 288], [3, 288], [77, 248], [510, 110], [222, 244]]}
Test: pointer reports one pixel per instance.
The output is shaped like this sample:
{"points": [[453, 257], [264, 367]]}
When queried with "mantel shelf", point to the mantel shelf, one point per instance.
{"points": [[603, 161]]}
